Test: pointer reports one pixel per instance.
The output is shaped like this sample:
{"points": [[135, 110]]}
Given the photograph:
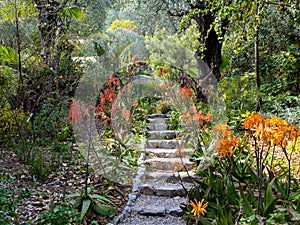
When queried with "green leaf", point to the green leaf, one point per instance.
{"points": [[269, 194], [8, 55], [73, 195], [296, 197], [77, 203], [247, 208], [103, 210], [270, 208], [204, 221], [101, 198], [89, 190], [85, 206], [230, 192], [73, 12]]}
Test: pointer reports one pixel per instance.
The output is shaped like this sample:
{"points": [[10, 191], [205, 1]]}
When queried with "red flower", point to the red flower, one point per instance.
{"points": [[162, 70], [114, 107], [75, 112], [126, 114], [109, 94], [108, 121], [113, 81]]}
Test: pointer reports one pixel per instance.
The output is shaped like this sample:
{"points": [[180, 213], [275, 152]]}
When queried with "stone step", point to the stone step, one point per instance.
{"points": [[163, 190], [163, 134], [160, 126], [169, 164], [156, 120], [169, 153], [157, 143], [169, 177], [153, 116], [148, 205]]}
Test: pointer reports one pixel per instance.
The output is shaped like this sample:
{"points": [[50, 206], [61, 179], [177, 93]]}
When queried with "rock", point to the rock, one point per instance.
{"points": [[56, 182], [165, 134], [37, 204], [153, 211], [170, 191], [131, 197], [168, 144], [148, 189], [169, 164], [176, 211]]}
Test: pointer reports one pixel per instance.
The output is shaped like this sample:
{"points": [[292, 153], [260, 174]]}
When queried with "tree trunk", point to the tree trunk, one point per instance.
{"points": [[209, 52], [210, 47], [51, 29], [256, 56]]}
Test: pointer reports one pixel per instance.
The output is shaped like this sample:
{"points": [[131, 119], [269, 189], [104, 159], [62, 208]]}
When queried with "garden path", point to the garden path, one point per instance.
{"points": [[162, 181]]}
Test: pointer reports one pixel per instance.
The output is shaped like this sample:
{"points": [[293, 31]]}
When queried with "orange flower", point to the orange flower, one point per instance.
{"points": [[225, 144], [162, 70], [222, 129], [198, 207], [254, 121], [208, 117], [200, 117], [192, 110], [185, 93], [186, 118], [274, 131]]}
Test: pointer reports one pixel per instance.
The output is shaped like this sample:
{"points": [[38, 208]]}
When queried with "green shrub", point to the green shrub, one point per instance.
{"points": [[9, 200], [164, 107], [13, 125], [62, 214]]}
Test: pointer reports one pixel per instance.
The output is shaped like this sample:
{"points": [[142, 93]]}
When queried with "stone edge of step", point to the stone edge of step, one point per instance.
{"points": [[157, 115], [136, 192]]}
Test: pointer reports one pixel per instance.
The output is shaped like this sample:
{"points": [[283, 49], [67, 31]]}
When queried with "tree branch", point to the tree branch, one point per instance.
{"points": [[178, 13], [279, 4]]}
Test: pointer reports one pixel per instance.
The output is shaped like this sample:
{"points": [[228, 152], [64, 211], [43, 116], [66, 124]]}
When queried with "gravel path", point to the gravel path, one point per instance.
{"points": [[153, 220]]}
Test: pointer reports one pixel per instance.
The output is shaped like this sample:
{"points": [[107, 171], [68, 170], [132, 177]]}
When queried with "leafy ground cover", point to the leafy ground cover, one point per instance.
{"points": [[25, 200]]}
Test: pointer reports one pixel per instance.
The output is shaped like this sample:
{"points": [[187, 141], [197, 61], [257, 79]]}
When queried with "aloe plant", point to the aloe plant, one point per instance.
{"points": [[91, 203]]}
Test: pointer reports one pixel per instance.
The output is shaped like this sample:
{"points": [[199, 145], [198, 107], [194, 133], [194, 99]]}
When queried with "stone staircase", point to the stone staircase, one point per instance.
{"points": [[163, 179]]}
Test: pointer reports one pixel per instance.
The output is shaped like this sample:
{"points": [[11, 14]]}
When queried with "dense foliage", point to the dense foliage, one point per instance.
{"points": [[47, 47]]}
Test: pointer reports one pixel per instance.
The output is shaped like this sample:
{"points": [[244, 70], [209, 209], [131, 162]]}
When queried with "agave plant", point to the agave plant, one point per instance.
{"points": [[91, 203]]}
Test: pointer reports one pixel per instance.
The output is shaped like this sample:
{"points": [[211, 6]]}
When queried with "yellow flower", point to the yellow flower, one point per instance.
{"points": [[198, 207]]}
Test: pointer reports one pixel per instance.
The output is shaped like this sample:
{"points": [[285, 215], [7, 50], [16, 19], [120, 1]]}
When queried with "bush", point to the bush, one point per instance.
{"points": [[62, 214], [13, 125]]}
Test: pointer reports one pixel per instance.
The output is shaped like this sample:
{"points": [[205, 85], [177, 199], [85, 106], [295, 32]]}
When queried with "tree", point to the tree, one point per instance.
{"points": [[149, 16], [52, 30], [210, 39]]}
